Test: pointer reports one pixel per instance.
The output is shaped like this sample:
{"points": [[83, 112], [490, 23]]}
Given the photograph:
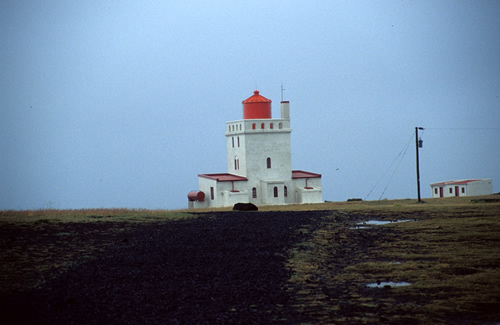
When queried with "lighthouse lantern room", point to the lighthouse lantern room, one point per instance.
{"points": [[258, 163]]}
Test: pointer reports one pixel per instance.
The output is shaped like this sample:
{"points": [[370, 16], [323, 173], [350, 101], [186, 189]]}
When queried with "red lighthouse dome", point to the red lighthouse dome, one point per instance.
{"points": [[256, 107]]}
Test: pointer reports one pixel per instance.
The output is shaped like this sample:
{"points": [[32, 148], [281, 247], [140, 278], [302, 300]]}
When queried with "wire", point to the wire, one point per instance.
{"points": [[399, 154], [462, 128], [395, 169]]}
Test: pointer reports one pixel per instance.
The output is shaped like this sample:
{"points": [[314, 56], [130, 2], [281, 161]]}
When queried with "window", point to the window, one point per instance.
{"points": [[262, 125], [211, 193], [233, 141], [268, 162], [253, 126], [271, 125], [436, 191], [235, 164], [280, 125], [229, 128], [275, 191], [238, 142], [451, 189], [254, 193], [233, 128], [463, 189], [285, 192]]}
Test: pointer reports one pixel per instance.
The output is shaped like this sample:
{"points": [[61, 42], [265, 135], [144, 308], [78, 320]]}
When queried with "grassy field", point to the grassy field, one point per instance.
{"points": [[447, 252]]}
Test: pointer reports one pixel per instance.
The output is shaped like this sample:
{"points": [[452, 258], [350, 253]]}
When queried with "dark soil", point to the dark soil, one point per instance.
{"points": [[224, 267], [286, 267]]}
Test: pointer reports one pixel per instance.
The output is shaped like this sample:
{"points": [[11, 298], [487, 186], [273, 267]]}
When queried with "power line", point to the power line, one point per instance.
{"points": [[403, 151], [395, 169], [462, 128]]}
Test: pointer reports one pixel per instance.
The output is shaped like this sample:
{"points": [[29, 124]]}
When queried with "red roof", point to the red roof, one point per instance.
{"points": [[460, 182], [256, 98], [303, 174], [224, 177]]}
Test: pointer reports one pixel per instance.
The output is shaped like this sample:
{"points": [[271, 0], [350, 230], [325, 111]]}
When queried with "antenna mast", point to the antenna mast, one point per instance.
{"points": [[282, 89]]}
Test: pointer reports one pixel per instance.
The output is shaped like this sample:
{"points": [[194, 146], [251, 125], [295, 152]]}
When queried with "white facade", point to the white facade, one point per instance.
{"points": [[468, 187], [259, 165]]}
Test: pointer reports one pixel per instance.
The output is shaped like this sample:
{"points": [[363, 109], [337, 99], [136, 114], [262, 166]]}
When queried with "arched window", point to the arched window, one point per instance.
{"points": [[254, 193], [262, 125], [238, 142], [229, 128], [233, 141], [253, 126], [268, 162], [280, 125], [285, 192], [275, 191]]}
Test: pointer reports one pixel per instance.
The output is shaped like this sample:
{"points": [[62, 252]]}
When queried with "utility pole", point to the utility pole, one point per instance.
{"points": [[418, 144]]}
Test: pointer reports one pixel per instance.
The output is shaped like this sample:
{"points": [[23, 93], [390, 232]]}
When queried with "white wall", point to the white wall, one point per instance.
{"points": [[258, 144], [480, 187]]}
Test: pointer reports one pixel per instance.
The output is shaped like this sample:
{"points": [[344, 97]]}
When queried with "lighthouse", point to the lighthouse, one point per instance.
{"points": [[259, 166]]}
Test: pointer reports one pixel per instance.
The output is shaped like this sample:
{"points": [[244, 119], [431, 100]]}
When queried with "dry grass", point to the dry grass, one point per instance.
{"points": [[450, 255], [87, 215]]}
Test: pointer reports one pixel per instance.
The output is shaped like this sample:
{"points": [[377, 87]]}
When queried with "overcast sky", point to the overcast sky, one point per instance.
{"points": [[108, 104]]}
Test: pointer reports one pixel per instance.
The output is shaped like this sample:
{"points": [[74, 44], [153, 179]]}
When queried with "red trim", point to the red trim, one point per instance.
{"points": [[223, 177], [304, 174], [457, 182]]}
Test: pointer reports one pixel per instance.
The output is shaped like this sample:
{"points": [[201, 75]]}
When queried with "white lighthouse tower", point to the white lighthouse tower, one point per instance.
{"points": [[259, 163]]}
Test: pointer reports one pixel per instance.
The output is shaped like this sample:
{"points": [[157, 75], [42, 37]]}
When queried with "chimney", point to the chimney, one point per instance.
{"points": [[285, 110]]}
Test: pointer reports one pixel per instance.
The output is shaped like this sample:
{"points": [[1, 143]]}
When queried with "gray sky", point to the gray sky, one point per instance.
{"points": [[122, 103]]}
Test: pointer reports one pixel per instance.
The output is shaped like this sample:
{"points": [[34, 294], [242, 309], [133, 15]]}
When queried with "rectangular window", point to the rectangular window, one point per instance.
{"points": [[211, 193], [238, 142], [233, 141], [463, 189], [451, 189], [436, 191]]}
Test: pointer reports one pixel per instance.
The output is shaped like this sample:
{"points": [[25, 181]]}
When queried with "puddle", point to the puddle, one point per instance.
{"points": [[381, 222], [388, 284], [360, 227]]}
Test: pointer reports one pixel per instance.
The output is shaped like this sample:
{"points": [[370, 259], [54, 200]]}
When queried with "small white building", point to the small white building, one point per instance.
{"points": [[259, 163], [466, 187]]}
